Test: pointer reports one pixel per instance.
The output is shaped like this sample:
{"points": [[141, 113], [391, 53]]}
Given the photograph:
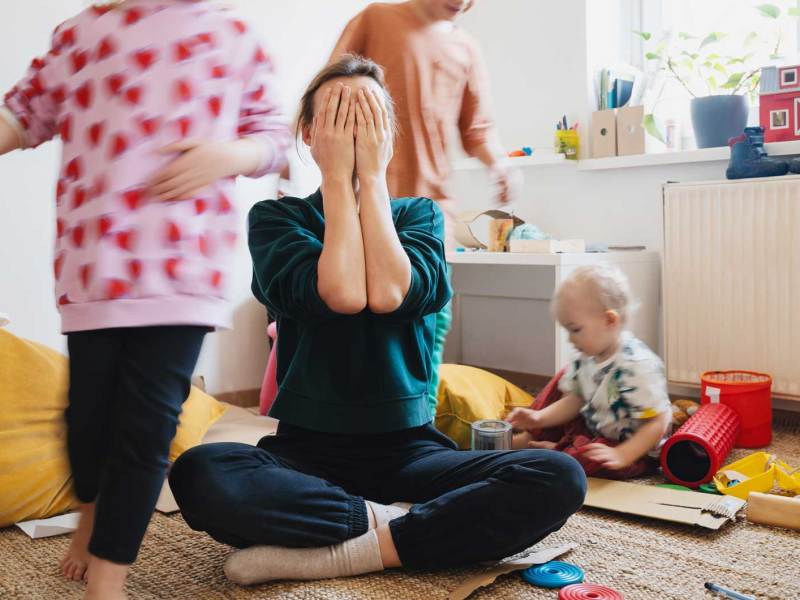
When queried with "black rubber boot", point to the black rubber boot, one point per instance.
{"points": [[749, 159]]}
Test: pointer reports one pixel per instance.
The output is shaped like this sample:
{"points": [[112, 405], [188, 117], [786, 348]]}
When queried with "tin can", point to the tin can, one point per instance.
{"points": [[491, 434]]}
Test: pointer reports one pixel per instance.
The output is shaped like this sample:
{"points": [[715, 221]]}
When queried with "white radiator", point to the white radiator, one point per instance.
{"points": [[732, 279]]}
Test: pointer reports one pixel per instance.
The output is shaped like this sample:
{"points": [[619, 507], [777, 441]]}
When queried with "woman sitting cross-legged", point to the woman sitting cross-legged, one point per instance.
{"points": [[354, 279]]}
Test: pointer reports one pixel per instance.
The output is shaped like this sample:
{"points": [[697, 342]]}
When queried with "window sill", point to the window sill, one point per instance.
{"points": [[638, 160], [469, 164]]}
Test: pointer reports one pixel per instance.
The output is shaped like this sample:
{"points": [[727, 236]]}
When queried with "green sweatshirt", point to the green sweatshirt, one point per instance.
{"points": [[363, 373]]}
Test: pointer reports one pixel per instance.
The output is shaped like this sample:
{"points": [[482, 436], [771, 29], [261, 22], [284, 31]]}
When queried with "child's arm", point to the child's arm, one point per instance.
{"points": [[263, 138], [558, 413], [10, 138], [200, 164], [30, 110], [635, 447], [478, 132]]}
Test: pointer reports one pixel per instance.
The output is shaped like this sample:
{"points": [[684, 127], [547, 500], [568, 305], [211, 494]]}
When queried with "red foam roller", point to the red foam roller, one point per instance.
{"points": [[699, 448], [588, 591]]}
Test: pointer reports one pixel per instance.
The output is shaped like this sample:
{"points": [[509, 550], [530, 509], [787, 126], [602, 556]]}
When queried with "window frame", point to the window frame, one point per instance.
{"points": [[786, 71], [785, 112], [796, 104], [645, 15]]}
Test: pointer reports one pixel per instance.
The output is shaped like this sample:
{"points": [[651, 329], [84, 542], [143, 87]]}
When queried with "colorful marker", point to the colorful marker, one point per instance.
{"points": [[726, 593]]}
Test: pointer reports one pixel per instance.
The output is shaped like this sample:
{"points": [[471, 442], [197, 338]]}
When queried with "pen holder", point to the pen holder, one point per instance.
{"points": [[567, 143]]}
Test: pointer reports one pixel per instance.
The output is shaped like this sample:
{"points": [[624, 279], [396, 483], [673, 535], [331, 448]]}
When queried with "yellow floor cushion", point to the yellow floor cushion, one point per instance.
{"points": [[35, 479], [467, 394]]}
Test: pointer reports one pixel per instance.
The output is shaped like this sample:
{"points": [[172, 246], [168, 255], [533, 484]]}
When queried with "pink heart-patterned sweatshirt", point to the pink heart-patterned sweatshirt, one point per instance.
{"points": [[118, 85]]}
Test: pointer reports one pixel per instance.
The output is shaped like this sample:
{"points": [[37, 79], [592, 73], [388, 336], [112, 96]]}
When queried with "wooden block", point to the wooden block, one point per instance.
{"points": [[630, 133], [498, 234], [604, 134], [779, 511]]}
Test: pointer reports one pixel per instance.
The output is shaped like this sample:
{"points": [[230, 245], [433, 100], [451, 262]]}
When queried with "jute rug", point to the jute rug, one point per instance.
{"points": [[643, 559]]}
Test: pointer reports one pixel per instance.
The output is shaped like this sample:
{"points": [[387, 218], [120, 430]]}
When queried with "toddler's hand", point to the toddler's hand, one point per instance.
{"points": [[523, 419], [198, 165], [610, 458]]}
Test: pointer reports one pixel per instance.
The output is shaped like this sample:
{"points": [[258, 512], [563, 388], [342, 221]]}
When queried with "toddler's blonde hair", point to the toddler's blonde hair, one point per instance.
{"points": [[605, 283]]}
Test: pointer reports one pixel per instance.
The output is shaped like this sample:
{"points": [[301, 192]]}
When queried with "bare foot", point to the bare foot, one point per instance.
{"points": [[542, 445], [520, 440], [106, 580], [73, 565]]}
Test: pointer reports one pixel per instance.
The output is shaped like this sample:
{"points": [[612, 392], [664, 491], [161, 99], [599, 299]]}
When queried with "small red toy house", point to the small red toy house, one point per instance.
{"points": [[780, 103]]}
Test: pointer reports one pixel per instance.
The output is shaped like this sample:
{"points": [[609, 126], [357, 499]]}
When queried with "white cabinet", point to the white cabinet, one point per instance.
{"points": [[501, 306]]}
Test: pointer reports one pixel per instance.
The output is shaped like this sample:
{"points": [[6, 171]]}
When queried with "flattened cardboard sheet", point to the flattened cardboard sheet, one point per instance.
{"points": [[692, 508]]}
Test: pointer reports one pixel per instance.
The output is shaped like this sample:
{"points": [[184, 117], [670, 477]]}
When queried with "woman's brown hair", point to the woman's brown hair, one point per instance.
{"points": [[349, 65]]}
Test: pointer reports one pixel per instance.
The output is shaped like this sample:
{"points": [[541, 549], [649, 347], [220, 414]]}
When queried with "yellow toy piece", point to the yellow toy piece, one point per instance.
{"points": [[757, 473], [788, 478]]}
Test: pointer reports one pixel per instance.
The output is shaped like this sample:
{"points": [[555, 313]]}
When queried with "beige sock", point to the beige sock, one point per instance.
{"points": [[258, 564], [384, 513]]}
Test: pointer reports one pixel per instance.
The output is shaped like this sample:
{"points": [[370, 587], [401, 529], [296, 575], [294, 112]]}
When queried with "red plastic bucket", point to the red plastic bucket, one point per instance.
{"points": [[750, 395], [694, 453]]}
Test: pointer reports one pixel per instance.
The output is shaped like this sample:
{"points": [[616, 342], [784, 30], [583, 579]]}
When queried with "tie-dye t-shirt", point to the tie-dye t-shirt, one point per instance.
{"points": [[621, 393]]}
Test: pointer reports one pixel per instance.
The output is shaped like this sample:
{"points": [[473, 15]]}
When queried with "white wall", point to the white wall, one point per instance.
{"points": [[27, 207], [537, 56], [541, 63]]}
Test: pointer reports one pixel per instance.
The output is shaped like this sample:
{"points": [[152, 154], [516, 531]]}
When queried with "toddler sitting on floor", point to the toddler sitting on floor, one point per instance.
{"points": [[615, 411]]}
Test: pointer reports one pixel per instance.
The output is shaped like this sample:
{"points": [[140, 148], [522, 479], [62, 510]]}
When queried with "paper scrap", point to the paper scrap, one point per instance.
{"points": [[537, 557], [166, 501], [40, 528]]}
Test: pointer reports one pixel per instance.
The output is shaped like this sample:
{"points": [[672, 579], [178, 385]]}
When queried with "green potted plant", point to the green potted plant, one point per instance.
{"points": [[720, 84]]}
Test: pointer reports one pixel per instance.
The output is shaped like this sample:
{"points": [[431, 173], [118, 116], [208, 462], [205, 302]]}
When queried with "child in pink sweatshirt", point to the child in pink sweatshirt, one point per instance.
{"points": [[159, 104]]}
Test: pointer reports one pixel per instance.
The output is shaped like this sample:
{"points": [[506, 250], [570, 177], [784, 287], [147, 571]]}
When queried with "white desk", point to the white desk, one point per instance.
{"points": [[501, 306]]}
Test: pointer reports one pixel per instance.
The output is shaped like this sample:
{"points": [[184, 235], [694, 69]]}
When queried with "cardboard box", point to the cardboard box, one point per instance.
{"points": [[630, 132], [463, 225], [604, 134], [691, 508]]}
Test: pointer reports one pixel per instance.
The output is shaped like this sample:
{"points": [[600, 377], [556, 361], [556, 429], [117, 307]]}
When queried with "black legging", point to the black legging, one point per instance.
{"points": [[305, 489], [126, 389]]}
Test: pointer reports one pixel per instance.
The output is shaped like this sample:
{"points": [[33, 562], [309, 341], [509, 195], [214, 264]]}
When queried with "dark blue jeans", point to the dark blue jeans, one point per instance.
{"points": [[303, 489], [126, 389]]}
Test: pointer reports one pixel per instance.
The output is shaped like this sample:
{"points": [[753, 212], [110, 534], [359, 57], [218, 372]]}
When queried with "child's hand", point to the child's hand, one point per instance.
{"points": [[523, 419], [610, 458], [506, 183], [199, 165]]}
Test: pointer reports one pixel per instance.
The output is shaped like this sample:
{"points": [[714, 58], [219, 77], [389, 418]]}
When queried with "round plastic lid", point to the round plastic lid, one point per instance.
{"points": [[554, 574], [588, 591]]}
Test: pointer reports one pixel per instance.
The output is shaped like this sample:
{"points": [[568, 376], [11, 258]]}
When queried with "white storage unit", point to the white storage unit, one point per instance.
{"points": [[501, 306]]}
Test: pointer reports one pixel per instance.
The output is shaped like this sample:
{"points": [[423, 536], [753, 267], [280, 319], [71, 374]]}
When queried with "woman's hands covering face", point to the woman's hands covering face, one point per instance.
{"points": [[373, 135]]}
